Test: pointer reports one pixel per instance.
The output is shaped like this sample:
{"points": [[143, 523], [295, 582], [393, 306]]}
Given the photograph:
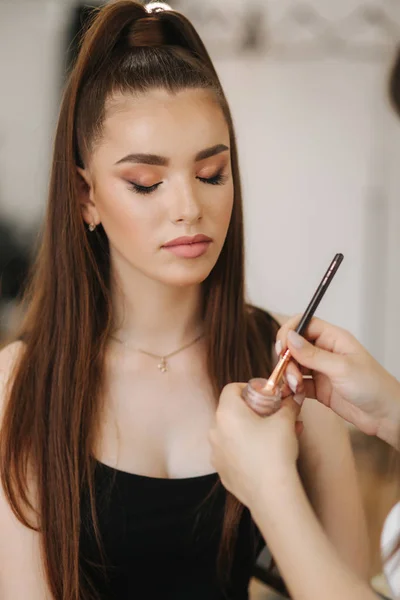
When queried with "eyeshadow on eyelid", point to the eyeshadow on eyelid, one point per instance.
{"points": [[141, 172], [214, 167], [141, 176], [142, 181], [210, 173]]}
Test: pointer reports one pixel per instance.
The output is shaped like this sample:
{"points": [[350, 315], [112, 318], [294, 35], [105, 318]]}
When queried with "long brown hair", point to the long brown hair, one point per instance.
{"points": [[51, 417]]}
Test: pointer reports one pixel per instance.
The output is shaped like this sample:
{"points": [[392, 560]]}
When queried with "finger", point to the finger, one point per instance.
{"points": [[328, 336], [296, 382], [286, 391], [281, 337], [305, 371], [299, 397], [289, 409], [294, 377], [312, 357], [324, 335], [230, 393], [232, 404]]}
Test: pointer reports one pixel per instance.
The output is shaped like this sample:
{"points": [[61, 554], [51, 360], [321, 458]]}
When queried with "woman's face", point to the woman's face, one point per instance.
{"points": [[162, 171]]}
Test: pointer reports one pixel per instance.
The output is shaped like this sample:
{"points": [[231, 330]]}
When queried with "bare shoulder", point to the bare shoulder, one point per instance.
{"points": [[9, 356]]}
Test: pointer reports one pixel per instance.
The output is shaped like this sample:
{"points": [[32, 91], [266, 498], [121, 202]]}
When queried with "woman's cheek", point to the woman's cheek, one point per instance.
{"points": [[222, 208]]}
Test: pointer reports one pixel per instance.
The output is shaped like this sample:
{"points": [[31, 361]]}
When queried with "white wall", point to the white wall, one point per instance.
{"points": [[391, 312], [319, 150], [305, 142], [31, 37]]}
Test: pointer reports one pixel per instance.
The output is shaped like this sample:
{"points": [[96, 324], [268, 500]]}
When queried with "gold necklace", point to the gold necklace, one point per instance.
{"points": [[162, 365]]}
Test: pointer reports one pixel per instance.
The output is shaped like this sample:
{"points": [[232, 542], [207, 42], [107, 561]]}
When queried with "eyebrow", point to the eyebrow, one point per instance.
{"points": [[162, 161]]}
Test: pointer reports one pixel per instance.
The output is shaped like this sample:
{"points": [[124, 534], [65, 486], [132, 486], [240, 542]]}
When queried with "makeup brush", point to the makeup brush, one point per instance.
{"points": [[264, 396]]}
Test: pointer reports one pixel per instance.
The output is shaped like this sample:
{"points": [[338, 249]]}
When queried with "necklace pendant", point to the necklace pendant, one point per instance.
{"points": [[163, 365]]}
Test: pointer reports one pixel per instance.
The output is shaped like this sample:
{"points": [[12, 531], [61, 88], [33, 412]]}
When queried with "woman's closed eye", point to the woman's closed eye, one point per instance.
{"points": [[143, 189], [217, 179]]}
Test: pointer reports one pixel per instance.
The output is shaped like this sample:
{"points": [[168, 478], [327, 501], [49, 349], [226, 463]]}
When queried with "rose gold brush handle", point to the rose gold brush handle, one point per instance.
{"points": [[277, 374], [264, 396]]}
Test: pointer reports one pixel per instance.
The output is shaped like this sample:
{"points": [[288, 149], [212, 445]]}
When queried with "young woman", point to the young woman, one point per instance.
{"points": [[135, 321], [351, 383]]}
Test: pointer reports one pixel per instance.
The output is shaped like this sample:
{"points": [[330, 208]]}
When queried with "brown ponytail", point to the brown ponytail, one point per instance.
{"points": [[147, 32], [50, 420]]}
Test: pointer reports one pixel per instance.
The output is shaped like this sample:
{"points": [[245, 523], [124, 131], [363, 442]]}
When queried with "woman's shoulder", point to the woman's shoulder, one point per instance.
{"points": [[9, 356]]}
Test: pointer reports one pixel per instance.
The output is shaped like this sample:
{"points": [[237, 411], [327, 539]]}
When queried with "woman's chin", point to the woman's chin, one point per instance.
{"points": [[187, 277]]}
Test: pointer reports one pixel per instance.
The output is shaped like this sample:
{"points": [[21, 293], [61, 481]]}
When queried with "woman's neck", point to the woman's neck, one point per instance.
{"points": [[154, 316]]}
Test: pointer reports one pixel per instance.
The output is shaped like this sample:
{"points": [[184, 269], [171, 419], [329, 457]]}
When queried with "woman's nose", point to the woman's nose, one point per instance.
{"points": [[186, 206]]}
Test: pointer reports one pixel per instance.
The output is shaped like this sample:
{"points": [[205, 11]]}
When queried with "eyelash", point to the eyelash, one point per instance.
{"points": [[141, 189], [218, 179]]}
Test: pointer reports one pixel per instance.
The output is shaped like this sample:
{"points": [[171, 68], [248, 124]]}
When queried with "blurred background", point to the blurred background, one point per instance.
{"points": [[319, 144]]}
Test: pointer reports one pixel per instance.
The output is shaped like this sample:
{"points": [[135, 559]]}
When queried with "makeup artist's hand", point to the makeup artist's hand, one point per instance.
{"points": [[346, 377], [250, 451]]}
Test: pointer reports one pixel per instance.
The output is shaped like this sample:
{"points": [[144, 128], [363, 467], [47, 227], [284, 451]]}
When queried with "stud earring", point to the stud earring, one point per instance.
{"points": [[92, 226]]}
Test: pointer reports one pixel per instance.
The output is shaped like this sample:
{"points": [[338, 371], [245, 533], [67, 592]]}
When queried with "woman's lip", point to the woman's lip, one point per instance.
{"points": [[192, 250], [188, 240]]}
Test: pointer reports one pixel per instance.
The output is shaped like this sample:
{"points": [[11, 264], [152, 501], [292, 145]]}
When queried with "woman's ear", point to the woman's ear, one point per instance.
{"points": [[86, 197]]}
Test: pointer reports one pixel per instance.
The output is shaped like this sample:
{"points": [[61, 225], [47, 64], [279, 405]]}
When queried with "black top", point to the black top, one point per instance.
{"points": [[161, 536], [161, 539]]}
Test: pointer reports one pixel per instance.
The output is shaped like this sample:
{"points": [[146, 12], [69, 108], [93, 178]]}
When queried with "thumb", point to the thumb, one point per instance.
{"points": [[290, 409], [231, 399], [312, 357]]}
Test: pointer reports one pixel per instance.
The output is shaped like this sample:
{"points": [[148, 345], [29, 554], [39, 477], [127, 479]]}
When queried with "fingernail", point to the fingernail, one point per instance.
{"points": [[292, 382], [278, 347], [295, 339], [299, 398]]}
